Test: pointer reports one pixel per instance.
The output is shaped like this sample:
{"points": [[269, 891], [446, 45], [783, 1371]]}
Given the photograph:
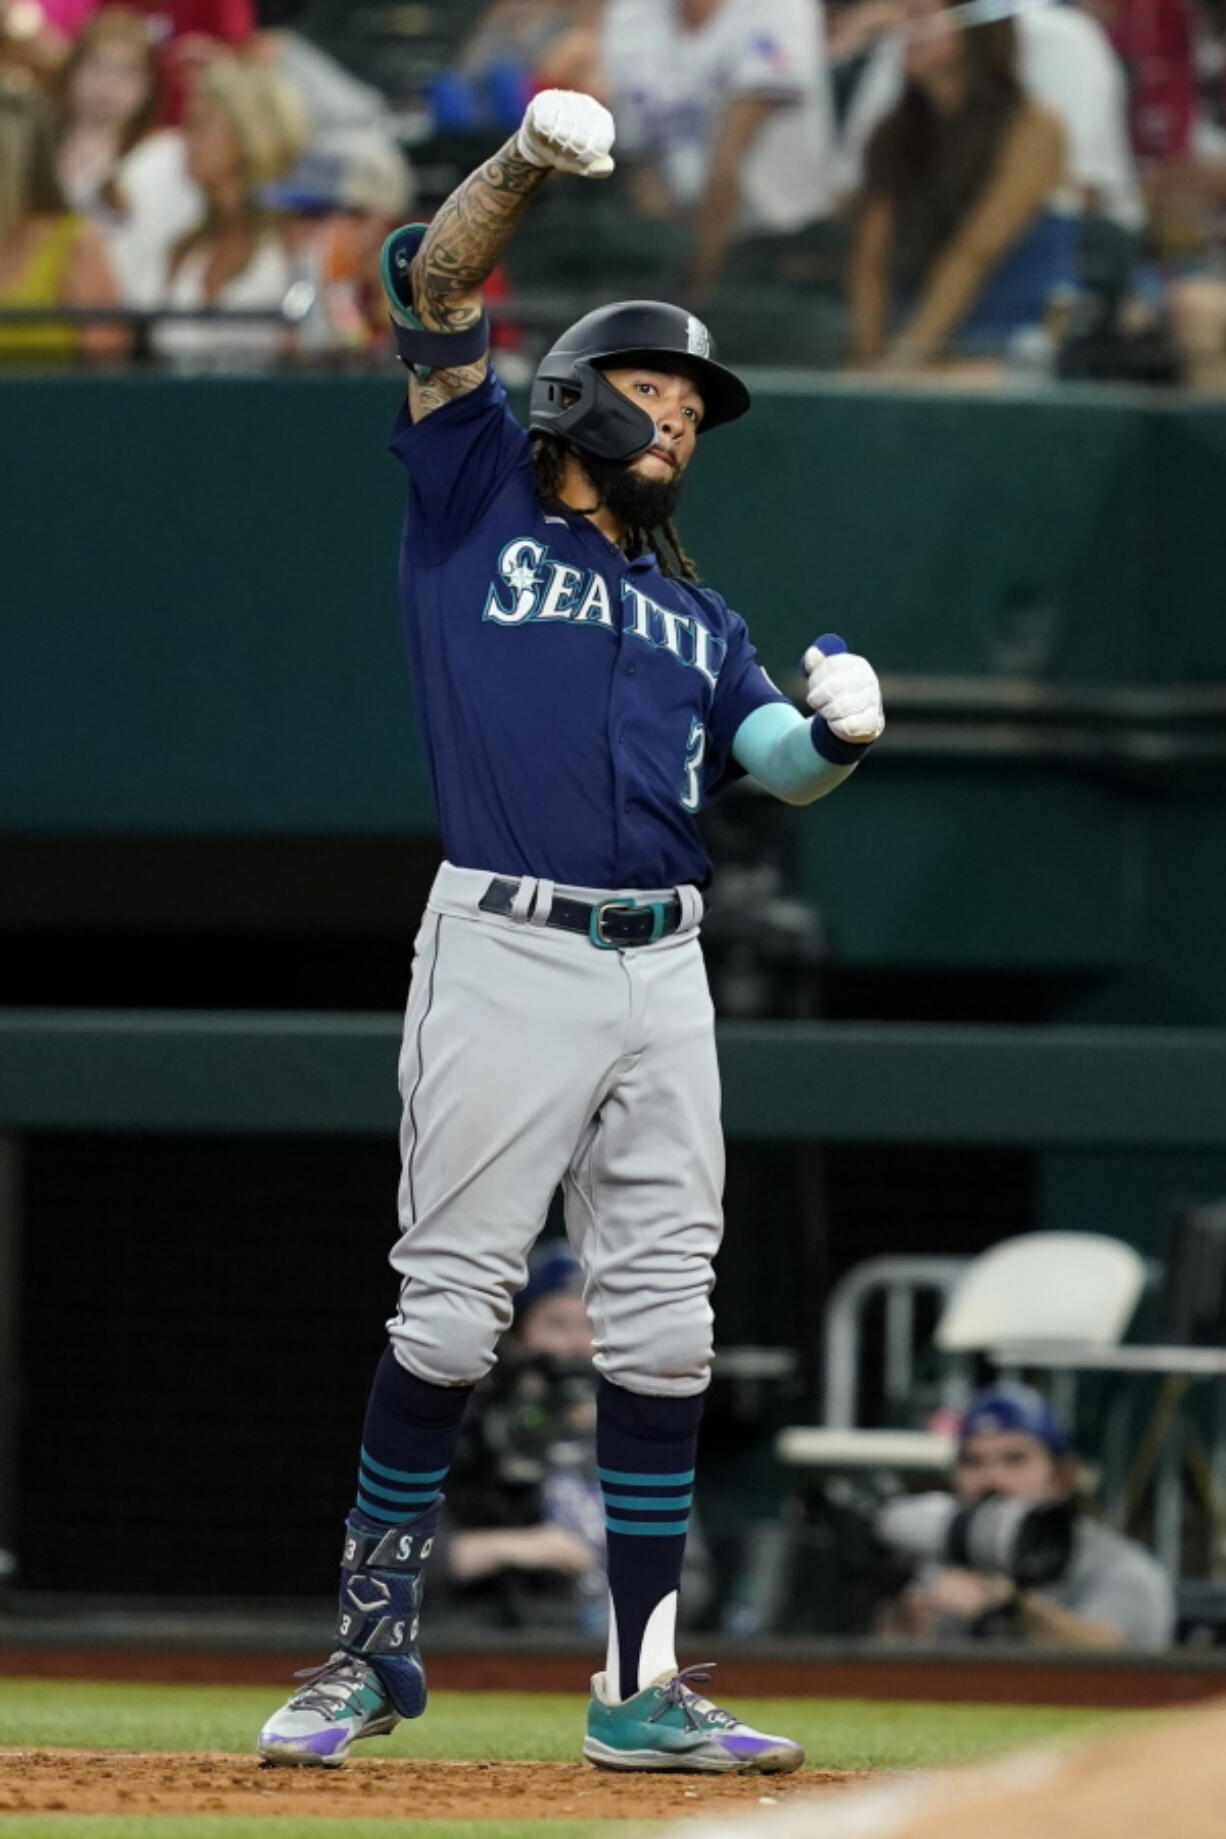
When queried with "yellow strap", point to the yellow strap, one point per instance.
{"points": [[41, 281]]}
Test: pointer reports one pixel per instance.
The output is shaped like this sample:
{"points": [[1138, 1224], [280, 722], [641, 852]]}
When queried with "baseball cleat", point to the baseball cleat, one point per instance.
{"points": [[669, 1726], [341, 1701]]}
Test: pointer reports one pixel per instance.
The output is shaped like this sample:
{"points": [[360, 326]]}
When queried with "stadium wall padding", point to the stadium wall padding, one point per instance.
{"points": [[201, 637]]}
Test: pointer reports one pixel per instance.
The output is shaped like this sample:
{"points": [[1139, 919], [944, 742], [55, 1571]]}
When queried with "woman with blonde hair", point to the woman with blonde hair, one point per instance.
{"points": [[244, 129], [127, 176], [107, 100], [50, 256]]}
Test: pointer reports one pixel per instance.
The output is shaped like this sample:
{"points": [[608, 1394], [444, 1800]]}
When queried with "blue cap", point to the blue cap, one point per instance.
{"points": [[1012, 1407], [551, 1268]]}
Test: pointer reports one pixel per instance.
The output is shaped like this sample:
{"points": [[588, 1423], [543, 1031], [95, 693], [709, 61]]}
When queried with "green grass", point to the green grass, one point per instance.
{"points": [[838, 1733], [546, 1727]]}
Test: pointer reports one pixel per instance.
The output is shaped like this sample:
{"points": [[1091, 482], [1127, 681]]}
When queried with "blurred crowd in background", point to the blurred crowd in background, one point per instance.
{"points": [[888, 186]]}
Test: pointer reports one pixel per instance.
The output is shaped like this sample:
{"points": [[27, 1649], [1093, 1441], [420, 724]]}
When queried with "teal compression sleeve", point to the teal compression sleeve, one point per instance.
{"points": [[775, 745]]}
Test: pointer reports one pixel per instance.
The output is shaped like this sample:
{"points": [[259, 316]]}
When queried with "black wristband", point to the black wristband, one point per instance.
{"points": [[424, 350], [832, 748]]}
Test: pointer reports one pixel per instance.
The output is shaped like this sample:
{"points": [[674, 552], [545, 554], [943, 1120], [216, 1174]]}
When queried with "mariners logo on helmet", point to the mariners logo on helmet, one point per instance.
{"points": [[697, 338]]}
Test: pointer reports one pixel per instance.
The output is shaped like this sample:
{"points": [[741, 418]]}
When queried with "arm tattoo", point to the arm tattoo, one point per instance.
{"points": [[468, 235], [458, 252]]}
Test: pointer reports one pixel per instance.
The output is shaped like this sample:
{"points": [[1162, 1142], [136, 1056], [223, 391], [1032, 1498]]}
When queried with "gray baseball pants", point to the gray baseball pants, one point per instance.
{"points": [[533, 1058]]}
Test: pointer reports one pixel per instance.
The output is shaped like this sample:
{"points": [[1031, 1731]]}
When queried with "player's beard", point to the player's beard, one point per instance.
{"points": [[641, 504]]}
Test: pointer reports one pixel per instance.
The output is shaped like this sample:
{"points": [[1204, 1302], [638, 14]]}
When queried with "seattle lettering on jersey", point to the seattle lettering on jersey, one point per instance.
{"points": [[533, 586]]}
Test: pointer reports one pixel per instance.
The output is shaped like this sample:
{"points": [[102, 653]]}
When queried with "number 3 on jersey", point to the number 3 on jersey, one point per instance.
{"points": [[695, 749]]}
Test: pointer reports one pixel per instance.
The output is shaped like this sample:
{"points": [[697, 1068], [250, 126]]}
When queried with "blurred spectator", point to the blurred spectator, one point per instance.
{"points": [[50, 256], [521, 35], [1064, 62], [1186, 192], [523, 1538], [133, 183], [1155, 40], [1046, 1574], [345, 195], [108, 101], [28, 46], [573, 60], [723, 106], [525, 1517], [958, 243], [185, 34], [244, 128], [333, 97], [516, 48]]}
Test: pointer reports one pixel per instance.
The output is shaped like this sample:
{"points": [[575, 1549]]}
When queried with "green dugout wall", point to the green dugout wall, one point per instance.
{"points": [[199, 574], [201, 638]]}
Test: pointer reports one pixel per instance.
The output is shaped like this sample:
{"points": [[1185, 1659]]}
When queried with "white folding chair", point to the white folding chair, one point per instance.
{"points": [[1041, 1286], [1044, 1286]]}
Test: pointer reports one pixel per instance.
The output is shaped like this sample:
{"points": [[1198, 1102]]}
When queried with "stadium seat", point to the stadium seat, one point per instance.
{"points": [[1044, 1286]]}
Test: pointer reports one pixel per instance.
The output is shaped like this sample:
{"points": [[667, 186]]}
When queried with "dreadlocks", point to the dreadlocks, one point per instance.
{"points": [[549, 462]]}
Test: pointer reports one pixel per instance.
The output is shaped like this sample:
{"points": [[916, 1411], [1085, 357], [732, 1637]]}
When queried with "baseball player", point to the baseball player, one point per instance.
{"points": [[580, 697]]}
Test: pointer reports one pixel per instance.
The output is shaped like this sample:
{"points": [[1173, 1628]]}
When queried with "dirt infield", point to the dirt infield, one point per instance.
{"points": [[111, 1781], [1167, 1779]]}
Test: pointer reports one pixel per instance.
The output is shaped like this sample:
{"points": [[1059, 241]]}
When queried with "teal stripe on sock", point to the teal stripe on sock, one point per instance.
{"points": [[624, 1479], [379, 1468], [415, 1498], [658, 1502], [643, 1529], [377, 1513]]}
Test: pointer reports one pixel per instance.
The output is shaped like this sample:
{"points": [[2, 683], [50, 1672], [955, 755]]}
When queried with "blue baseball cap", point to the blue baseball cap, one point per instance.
{"points": [[1012, 1407], [551, 1268]]}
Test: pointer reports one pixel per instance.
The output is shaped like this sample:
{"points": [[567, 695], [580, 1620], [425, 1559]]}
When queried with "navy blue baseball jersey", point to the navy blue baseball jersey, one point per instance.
{"points": [[576, 708]]}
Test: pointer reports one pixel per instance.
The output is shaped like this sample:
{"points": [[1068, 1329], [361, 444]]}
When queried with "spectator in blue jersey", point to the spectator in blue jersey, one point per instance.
{"points": [[723, 109]]}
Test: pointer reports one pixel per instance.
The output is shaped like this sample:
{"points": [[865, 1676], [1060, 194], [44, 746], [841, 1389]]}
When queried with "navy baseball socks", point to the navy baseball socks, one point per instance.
{"points": [[376, 1677], [644, 1713]]}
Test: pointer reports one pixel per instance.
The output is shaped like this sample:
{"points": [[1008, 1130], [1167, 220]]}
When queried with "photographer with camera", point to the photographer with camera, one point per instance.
{"points": [[1009, 1555]]}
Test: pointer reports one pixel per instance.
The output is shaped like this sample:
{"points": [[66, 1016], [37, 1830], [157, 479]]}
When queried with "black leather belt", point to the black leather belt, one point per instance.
{"points": [[609, 924]]}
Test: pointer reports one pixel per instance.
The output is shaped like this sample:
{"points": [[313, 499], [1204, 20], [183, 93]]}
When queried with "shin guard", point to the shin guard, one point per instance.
{"points": [[380, 1601]]}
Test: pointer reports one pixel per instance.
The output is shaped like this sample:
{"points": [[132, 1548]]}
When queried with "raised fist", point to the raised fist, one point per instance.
{"points": [[568, 130], [843, 689]]}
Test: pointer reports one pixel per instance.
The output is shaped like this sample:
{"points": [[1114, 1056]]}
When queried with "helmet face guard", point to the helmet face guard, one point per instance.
{"points": [[598, 419], [572, 399]]}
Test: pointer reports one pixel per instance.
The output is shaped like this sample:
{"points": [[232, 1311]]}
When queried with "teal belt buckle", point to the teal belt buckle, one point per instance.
{"points": [[595, 925]]}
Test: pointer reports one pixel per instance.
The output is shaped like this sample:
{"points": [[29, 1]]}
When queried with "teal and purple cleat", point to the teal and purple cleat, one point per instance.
{"points": [[342, 1701], [669, 1726]]}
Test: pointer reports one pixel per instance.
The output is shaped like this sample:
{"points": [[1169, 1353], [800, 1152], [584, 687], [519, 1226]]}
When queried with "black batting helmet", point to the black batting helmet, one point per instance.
{"points": [[570, 397]]}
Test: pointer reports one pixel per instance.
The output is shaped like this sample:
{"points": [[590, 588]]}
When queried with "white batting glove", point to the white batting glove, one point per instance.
{"points": [[566, 129], [844, 691]]}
